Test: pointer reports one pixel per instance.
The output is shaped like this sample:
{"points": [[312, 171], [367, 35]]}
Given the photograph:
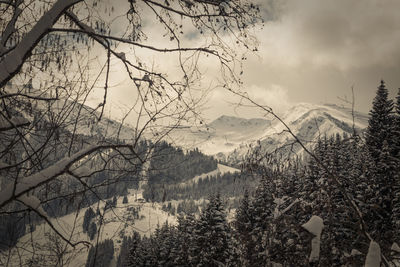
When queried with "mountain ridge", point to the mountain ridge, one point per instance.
{"points": [[229, 138]]}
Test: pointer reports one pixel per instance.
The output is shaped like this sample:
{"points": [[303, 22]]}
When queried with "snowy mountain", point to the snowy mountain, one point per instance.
{"points": [[230, 138], [69, 112], [222, 135], [308, 122]]}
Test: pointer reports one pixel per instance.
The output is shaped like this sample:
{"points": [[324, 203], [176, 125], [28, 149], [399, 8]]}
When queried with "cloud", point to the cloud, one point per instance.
{"points": [[319, 49], [222, 102], [310, 51], [346, 34], [274, 96]]}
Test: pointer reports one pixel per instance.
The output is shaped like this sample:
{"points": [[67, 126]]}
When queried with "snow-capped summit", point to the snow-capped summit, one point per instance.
{"points": [[308, 122], [230, 137], [222, 135]]}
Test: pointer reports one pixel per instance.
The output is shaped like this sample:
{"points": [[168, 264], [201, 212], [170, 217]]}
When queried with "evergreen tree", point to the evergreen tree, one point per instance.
{"points": [[114, 201], [262, 214], [142, 252], [185, 240], [383, 199], [213, 238], [92, 230], [396, 183], [166, 242], [123, 258], [87, 218], [396, 148], [243, 226], [380, 126], [101, 255], [134, 251]]}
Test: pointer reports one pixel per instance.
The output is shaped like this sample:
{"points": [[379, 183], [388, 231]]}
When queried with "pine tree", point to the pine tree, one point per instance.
{"points": [[382, 141], [396, 186], [213, 238], [263, 207], [185, 239], [92, 230], [396, 133], [384, 185], [101, 255], [89, 215], [380, 126], [134, 251], [114, 202], [165, 243], [243, 226]]}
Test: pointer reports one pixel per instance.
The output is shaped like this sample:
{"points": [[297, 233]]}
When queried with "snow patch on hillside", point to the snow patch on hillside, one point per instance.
{"points": [[221, 170], [117, 223]]}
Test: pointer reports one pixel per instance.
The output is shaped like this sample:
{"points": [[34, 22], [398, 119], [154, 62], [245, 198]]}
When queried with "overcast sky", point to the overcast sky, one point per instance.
{"points": [[315, 51]]}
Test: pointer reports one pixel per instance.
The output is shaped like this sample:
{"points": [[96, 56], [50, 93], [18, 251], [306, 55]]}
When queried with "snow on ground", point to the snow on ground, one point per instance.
{"points": [[221, 169], [118, 222]]}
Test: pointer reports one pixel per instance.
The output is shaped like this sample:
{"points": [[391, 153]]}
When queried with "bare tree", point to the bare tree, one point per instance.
{"points": [[55, 55]]}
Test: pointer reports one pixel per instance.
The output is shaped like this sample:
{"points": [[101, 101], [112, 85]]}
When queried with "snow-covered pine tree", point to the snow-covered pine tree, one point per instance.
{"points": [[382, 140], [396, 132], [185, 239], [165, 238], [384, 185], [142, 252], [134, 250], [396, 186], [380, 126], [243, 226], [213, 237], [262, 215]]}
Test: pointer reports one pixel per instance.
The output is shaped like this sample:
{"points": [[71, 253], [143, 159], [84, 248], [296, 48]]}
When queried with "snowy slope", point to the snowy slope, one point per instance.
{"points": [[222, 135], [308, 122], [230, 138], [221, 169], [118, 222], [78, 118]]}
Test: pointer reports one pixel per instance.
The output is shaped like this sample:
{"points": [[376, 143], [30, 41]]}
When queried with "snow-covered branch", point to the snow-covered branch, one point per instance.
{"points": [[13, 62], [10, 28], [14, 190], [91, 32], [314, 226]]}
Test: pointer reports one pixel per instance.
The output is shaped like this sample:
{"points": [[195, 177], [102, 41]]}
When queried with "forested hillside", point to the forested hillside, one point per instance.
{"points": [[349, 190]]}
